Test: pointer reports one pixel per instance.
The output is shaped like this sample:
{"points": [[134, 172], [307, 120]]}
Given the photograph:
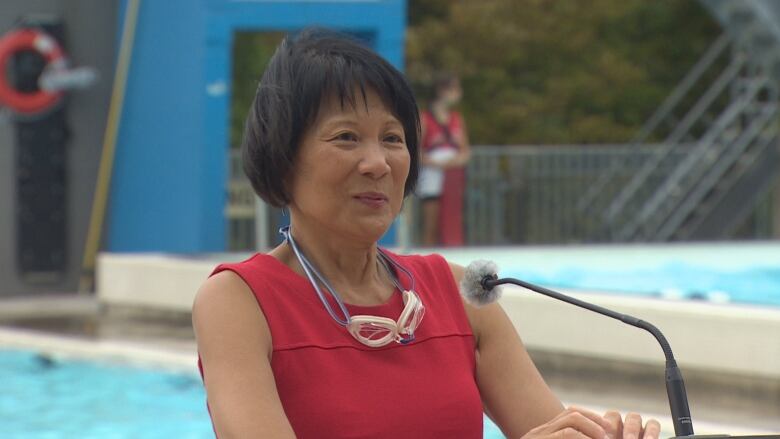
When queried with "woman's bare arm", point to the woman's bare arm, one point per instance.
{"points": [[513, 392], [516, 397], [234, 343]]}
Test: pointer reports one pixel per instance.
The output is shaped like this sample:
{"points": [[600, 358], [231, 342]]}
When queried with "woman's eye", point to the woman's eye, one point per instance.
{"points": [[346, 137], [394, 138]]}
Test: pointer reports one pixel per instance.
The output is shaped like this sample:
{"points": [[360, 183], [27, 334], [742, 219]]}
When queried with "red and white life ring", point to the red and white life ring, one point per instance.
{"points": [[29, 39]]}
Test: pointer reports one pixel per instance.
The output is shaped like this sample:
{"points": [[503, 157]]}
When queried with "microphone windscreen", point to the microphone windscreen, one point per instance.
{"points": [[471, 285]]}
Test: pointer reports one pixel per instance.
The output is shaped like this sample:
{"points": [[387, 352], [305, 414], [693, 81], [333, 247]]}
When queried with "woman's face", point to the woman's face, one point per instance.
{"points": [[351, 169], [451, 94]]}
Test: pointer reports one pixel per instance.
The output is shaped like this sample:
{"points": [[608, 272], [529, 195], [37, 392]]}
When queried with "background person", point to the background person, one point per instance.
{"points": [[445, 153]]}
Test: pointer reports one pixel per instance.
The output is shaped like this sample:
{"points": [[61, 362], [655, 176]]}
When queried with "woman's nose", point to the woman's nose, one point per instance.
{"points": [[374, 163]]}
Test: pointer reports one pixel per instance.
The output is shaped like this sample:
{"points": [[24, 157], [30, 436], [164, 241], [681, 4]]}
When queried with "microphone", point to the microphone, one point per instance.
{"points": [[478, 287]]}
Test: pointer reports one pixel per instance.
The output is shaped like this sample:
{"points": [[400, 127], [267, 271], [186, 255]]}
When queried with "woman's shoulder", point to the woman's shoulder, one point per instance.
{"points": [[228, 279], [254, 260], [232, 289], [255, 267], [222, 298], [226, 321], [250, 275]]}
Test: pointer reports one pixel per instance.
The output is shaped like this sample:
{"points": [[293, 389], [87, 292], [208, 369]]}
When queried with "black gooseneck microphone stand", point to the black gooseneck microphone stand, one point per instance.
{"points": [[675, 387]]}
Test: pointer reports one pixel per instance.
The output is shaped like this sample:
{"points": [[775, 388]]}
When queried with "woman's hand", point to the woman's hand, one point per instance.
{"points": [[577, 423], [631, 427], [425, 160], [573, 423], [458, 161]]}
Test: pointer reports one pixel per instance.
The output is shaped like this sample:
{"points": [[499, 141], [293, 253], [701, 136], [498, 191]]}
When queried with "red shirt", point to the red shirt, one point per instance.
{"points": [[332, 386], [434, 131]]}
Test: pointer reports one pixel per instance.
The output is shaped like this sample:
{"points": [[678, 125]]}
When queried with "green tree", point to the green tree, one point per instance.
{"points": [[251, 53], [543, 71]]}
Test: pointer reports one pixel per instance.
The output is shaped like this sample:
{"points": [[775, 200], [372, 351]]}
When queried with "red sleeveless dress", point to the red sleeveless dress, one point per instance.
{"points": [[332, 386]]}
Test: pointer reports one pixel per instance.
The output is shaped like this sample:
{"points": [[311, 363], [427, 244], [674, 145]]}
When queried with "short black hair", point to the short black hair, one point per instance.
{"points": [[303, 71]]}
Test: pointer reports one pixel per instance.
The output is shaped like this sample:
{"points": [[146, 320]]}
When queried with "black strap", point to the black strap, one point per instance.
{"points": [[445, 129]]}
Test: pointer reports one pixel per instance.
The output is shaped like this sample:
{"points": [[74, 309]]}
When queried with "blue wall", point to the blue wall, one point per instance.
{"points": [[168, 189]]}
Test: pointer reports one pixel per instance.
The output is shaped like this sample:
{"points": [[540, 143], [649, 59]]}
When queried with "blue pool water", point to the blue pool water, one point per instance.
{"points": [[41, 398], [739, 273], [45, 399]]}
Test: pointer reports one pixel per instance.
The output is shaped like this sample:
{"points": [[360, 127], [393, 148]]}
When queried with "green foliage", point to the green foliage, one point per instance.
{"points": [[251, 53], [564, 71], [533, 71]]}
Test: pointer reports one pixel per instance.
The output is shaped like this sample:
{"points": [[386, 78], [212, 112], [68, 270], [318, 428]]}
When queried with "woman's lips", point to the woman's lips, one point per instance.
{"points": [[372, 199]]}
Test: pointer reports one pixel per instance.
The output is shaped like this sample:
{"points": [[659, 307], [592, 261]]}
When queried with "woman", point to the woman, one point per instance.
{"points": [[445, 152], [329, 336]]}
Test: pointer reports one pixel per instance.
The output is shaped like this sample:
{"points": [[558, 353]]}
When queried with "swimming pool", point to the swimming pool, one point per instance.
{"points": [[45, 398], [747, 273]]}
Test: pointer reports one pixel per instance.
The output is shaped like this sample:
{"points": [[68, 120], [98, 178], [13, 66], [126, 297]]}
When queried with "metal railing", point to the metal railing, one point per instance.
{"points": [[514, 194], [530, 194]]}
